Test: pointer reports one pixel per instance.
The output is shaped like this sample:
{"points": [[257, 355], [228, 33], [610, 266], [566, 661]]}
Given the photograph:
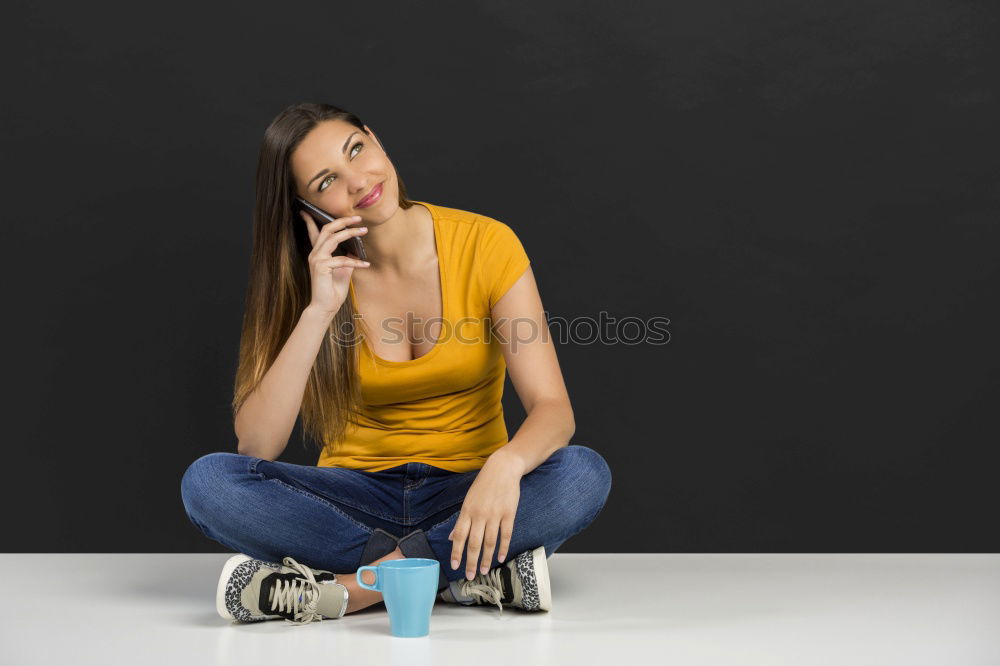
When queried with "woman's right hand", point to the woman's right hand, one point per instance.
{"points": [[331, 275]]}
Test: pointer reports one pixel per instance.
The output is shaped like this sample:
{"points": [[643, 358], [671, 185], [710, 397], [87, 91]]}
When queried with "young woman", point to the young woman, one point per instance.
{"points": [[396, 366]]}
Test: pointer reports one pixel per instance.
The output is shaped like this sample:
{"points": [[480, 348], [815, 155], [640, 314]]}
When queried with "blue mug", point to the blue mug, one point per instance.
{"points": [[409, 588]]}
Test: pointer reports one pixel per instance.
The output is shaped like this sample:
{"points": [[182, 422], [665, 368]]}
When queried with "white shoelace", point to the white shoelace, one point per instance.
{"points": [[300, 596], [488, 587]]}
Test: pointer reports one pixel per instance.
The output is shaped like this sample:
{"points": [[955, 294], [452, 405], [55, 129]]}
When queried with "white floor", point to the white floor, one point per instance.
{"points": [[681, 609]]}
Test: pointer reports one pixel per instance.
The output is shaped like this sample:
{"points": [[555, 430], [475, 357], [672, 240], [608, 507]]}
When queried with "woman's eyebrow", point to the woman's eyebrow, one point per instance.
{"points": [[343, 150]]}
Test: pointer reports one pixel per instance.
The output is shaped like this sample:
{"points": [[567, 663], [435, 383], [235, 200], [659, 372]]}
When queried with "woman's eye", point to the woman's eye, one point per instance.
{"points": [[350, 152]]}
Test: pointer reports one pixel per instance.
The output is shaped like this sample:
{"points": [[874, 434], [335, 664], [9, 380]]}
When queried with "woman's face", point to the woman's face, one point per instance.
{"points": [[337, 165]]}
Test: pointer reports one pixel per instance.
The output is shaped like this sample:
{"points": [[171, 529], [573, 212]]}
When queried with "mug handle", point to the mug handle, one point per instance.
{"points": [[376, 587]]}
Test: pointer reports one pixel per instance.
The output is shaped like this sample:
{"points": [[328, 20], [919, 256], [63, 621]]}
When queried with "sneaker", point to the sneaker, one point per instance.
{"points": [[522, 582], [252, 590]]}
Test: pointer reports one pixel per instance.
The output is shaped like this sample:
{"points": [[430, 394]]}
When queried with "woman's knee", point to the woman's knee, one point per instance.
{"points": [[588, 476], [207, 475]]}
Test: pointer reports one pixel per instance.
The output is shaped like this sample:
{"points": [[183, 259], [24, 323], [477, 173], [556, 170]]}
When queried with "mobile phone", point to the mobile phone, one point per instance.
{"points": [[352, 245]]}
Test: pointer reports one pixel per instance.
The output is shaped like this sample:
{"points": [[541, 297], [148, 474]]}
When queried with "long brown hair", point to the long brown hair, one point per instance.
{"points": [[279, 286]]}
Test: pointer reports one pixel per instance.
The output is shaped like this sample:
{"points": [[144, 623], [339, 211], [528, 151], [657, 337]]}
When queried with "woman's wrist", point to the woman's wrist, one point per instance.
{"points": [[315, 313]]}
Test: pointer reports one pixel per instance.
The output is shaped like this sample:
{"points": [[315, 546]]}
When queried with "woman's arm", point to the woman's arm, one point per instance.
{"points": [[266, 420], [521, 327]]}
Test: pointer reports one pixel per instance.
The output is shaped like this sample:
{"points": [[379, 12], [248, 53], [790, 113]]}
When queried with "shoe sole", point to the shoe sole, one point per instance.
{"points": [[542, 578], [220, 590]]}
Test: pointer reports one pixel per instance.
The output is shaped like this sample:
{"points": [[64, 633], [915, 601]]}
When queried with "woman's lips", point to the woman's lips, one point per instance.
{"points": [[372, 197]]}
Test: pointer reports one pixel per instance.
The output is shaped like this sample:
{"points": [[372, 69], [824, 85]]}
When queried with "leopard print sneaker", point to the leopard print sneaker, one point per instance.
{"points": [[252, 590], [522, 582]]}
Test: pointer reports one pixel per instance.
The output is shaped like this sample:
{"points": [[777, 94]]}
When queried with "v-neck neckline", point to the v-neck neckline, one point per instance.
{"points": [[444, 299]]}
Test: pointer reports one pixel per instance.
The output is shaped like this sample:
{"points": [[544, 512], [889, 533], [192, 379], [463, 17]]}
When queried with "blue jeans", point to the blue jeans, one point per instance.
{"points": [[340, 519]]}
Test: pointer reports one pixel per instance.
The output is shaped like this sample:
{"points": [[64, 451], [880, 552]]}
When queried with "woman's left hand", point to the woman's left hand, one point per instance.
{"points": [[489, 508]]}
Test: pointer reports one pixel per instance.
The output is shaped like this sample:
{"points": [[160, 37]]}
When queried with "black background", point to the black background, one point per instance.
{"points": [[808, 191]]}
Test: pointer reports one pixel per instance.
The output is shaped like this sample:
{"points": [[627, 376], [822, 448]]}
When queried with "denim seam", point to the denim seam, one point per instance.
{"points": [[319, 499], [437, 510], [369, 511], [365, 509], [442, 522]]}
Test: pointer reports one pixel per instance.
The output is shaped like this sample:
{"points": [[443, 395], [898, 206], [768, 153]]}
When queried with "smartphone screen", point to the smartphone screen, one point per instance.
{"points": [[352, 245]]}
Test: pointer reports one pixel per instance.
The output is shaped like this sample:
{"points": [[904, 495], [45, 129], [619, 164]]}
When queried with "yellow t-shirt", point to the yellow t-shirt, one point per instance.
{"points": [[442, 408]]}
